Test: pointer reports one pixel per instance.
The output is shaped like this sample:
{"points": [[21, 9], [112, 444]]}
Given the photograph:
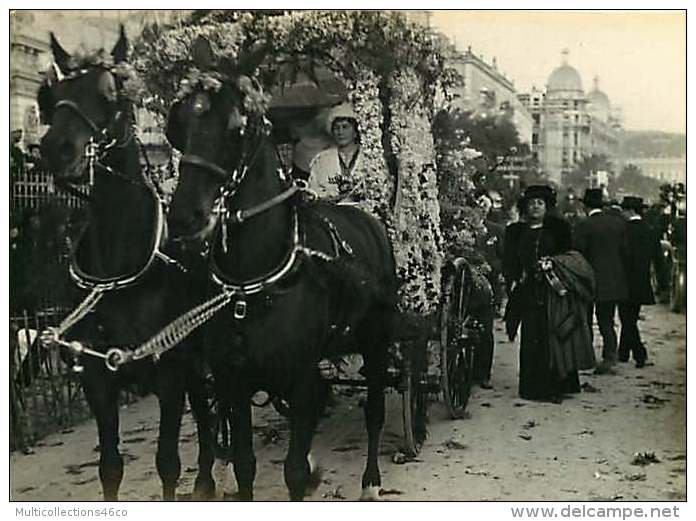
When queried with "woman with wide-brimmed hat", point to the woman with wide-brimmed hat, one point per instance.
{"points": [[528, 244], [332, 169]]}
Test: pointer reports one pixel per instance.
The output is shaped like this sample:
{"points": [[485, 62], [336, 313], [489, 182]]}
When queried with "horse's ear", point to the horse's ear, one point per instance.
{"points": [[53, 74], [251, 59], [120, 50], [202, 54], [60, 55], [174, 132]]}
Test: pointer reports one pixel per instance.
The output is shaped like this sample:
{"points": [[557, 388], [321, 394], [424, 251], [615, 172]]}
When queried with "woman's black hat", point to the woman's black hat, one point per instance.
{"points": [[545, 192]]}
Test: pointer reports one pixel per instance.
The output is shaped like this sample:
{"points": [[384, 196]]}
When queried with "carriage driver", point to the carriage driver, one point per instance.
{"points": [[285, 144], [332, 169]]}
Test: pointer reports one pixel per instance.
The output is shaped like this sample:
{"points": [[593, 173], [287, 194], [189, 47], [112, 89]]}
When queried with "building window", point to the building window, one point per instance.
{"points": [[575, 138], [536, 118], [535, 139]]}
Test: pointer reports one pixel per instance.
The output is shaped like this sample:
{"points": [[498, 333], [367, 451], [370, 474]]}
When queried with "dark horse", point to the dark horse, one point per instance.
{"points": [[306, 281], [92, 120]]}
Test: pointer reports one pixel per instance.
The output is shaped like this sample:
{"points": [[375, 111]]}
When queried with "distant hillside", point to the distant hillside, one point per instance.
{"points": [[653, 143]]}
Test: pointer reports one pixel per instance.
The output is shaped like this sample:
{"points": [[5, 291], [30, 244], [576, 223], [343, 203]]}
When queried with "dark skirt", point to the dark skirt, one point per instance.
{"points": [[538, 380]]}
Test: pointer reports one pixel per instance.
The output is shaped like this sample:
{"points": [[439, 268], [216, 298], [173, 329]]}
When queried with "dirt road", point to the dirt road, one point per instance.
{"points": [[509, 449]]}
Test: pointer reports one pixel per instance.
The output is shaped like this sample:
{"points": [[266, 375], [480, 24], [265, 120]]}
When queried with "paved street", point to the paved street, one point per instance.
{"points": [[509, 449]]}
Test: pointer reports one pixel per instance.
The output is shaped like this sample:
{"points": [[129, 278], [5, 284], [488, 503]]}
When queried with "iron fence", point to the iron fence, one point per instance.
{"points": [[45, 395], [34, 188]]}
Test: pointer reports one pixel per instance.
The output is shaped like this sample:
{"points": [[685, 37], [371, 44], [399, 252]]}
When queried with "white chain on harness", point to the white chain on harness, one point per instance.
{"points": [[51, 336], [172, 334]]}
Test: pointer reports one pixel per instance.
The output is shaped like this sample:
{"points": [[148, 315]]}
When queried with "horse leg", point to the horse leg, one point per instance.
{"points": [[171, 401], [305, 408], [102, 397], [376, 372], [243, 446], [204, 487]]}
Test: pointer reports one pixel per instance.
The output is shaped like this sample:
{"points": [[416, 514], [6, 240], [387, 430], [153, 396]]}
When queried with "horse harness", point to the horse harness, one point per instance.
{"points": [[94, 152], [240, 291]]}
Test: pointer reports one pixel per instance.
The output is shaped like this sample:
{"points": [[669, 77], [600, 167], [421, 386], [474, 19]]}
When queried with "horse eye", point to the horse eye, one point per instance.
{"points": [[201, 104]]}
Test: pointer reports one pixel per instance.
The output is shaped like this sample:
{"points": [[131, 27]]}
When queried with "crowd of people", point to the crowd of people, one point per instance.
{"points": [[600, 265]]}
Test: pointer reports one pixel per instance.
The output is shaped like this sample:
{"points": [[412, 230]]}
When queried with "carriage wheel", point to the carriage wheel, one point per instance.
{"points": [[456, 352], [413, 401], [677, 293]]}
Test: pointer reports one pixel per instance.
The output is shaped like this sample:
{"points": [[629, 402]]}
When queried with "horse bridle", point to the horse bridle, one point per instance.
{"points": [[97, 148]]}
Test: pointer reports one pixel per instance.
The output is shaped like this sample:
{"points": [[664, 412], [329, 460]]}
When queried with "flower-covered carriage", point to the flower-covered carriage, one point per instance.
{"points": [[391, 72]]}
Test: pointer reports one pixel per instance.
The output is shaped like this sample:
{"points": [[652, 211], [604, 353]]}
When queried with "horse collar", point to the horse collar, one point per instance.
{"points": [[86, 281], [257, 285]]}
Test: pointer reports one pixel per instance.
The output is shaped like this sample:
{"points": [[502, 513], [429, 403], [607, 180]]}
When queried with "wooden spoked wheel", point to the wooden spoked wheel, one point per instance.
{"points": [[456, 346], [677, 293], [413, 401]]}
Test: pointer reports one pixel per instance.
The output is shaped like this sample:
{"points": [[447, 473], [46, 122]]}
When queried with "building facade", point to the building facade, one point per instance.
{"points": [[27, 55], [665, 169], [568, 124], [30, 55], [487, 92]]}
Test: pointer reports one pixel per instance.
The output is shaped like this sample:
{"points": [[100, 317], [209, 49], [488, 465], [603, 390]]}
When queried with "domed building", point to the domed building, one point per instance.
{"points": [[568, 123]]}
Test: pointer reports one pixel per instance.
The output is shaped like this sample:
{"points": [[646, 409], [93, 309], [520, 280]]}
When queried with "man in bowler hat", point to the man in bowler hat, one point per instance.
{"points": [[603, 241], [644, 249]]}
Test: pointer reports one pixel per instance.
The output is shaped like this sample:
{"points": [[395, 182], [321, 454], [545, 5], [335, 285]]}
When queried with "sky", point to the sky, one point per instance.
{"points": [[640, 57]]}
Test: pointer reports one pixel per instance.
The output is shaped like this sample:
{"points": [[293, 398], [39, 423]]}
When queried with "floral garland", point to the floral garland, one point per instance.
{"points": [[255, 100], [418, 250], [132, 86]]}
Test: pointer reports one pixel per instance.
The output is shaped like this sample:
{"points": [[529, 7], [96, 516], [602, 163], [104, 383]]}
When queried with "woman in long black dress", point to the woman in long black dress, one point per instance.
{"points": [[526, 245]]}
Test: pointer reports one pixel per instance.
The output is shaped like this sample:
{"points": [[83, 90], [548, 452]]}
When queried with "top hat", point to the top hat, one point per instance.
{"points": [[594, 198], [544, 192], [282, 134], [632, 203]]}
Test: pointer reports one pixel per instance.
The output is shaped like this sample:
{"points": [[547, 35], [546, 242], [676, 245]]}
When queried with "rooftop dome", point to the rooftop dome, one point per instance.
{"points": [[597, 97], [599, 102], [564, 78]]}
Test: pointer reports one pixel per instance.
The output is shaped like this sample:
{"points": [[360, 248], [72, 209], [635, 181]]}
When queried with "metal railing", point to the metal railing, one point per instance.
{"points": [[45, 395], [34, 188]]}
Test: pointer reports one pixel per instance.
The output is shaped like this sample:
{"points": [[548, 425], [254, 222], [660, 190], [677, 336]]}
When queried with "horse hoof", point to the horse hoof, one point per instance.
{"points": [[223, 475], [370, 493], [203, 491], [315, 474], [239, 496]]}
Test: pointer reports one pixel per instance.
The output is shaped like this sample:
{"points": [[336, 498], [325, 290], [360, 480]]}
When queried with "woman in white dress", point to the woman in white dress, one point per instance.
{"points": [[332, 170]]}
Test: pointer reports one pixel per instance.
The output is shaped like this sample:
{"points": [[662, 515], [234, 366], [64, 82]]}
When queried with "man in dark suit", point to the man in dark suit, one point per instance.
{"points": [[644, 248], [602, 240], [490, 243]]}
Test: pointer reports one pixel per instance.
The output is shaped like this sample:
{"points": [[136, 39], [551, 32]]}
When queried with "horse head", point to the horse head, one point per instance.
{"points": [[81, 100], [218, 124]]}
